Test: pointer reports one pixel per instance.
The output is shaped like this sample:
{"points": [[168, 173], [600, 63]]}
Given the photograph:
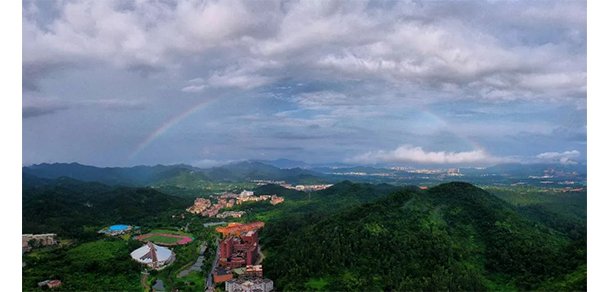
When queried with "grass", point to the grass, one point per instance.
{"points": [[316, 284], [170, 231], [195, 277], [163, 239]]}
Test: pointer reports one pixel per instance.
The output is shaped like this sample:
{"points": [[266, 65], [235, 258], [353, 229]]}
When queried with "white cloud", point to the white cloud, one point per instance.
{"points": [[565, 157], [194, 88], [410, 154]]}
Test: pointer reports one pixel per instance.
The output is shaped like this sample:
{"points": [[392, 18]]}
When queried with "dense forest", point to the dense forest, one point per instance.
{"points": [[75, 209], [351, 236], [452, 237]]}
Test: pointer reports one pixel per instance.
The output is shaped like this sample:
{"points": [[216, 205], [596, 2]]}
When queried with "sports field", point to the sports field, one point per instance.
{"points": [[165, 239]]}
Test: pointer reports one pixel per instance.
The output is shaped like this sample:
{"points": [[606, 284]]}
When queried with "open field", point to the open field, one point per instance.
{"points": [[165, 239]]}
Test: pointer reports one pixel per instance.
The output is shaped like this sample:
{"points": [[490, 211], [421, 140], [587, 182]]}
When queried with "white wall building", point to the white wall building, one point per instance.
{"points": [[249, 285], [245, 193], [154, 256]]}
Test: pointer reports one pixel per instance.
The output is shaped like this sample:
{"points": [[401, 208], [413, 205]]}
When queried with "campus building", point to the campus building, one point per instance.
{"points": [[222, 275], [154, 256], [249, 285], [37, 240], [239, 251]]}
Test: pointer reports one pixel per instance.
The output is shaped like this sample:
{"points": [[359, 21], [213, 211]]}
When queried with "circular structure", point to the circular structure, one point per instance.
{"points": [[164, 239], [154, 256]]}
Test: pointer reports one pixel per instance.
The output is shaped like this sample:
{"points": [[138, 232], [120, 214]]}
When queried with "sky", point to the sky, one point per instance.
{"points": [[468, 83]]}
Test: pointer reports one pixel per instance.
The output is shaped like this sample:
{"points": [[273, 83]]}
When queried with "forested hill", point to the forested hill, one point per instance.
{"points": [[74, 208], [180, 175], [451, 237]]}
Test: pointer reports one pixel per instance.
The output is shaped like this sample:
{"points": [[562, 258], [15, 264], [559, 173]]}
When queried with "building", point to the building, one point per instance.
{"points": [[222, 274], [254, 271], [249, 285], [245, 193], [239, 247], [154, 256], [237, 229], [234, 214], [54, 283], [116, 230], [50, 283], [37, 240]]}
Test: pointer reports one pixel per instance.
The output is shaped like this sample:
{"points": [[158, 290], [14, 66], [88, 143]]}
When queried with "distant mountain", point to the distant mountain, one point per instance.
{"points": [[249, 170], [181, 175], [452, 237], [128, 176], [284, 163]]}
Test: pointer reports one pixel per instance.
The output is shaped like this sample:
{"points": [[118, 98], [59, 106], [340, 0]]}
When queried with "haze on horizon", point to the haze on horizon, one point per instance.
{"points": [[117, 83]]}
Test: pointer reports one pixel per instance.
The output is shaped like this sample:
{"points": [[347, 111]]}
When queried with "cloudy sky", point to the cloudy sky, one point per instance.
{"points": [[120, 83]]}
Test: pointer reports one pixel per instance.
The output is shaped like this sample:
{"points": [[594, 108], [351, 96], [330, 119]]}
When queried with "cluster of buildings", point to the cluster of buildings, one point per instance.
{"points": [[239, 251], [274, 199], [249, 285], [307, 188], [28, 241], [200, 205], [261, 182], [154, 256], [206, 209], [239, 255], [234, 214]]}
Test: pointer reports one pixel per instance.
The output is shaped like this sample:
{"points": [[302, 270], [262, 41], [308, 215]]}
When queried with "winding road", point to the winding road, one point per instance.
{"points": [[209, 283]]}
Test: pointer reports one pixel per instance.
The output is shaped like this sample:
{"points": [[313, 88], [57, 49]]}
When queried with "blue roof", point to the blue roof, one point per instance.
{"points": [[118, 227]]}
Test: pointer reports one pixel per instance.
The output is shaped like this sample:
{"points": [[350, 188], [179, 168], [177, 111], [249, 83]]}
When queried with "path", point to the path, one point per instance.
{"points": [[261, 256], [197, 265], [144, 282]]}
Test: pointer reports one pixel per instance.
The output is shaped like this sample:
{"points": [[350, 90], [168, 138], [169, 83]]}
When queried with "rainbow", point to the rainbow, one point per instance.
{"points": [[175, 120], [473, 143], [166, 126]]}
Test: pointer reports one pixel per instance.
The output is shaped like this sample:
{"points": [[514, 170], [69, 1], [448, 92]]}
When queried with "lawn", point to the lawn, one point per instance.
{"points": [[163, 239]]}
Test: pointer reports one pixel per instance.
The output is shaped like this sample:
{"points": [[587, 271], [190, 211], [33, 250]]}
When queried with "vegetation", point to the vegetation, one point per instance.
{"points": [[102, 265], [451, 237], [76, 209], [352, 236]]}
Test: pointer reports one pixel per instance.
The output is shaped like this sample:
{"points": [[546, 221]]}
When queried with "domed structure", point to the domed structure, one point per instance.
{"points": [[154, 256]]}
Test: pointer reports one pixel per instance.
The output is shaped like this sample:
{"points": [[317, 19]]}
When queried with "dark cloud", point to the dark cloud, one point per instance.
{"points": [[32, 111]]}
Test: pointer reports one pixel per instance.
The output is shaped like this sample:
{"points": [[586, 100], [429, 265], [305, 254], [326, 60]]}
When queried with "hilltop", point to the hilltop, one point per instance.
{"points": [[451, 237]]}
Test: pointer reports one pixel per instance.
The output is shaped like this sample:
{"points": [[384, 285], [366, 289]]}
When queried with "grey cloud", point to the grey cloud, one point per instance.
{"points": [[34, 111], [423, 45], [47, 107]]}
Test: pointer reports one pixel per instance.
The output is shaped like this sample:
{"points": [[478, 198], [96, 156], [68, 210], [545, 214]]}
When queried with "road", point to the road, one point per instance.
{"points": [[260, 255], [197, 265], [209, 282]]}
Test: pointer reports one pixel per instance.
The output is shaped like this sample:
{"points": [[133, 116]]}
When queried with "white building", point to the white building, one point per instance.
{"points": [[245, 193], [249, 285], [154, 256]]}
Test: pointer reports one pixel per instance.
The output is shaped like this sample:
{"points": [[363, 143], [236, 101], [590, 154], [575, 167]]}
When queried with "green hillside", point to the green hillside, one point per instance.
{"points": [[72, 208], [452, 237]]}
